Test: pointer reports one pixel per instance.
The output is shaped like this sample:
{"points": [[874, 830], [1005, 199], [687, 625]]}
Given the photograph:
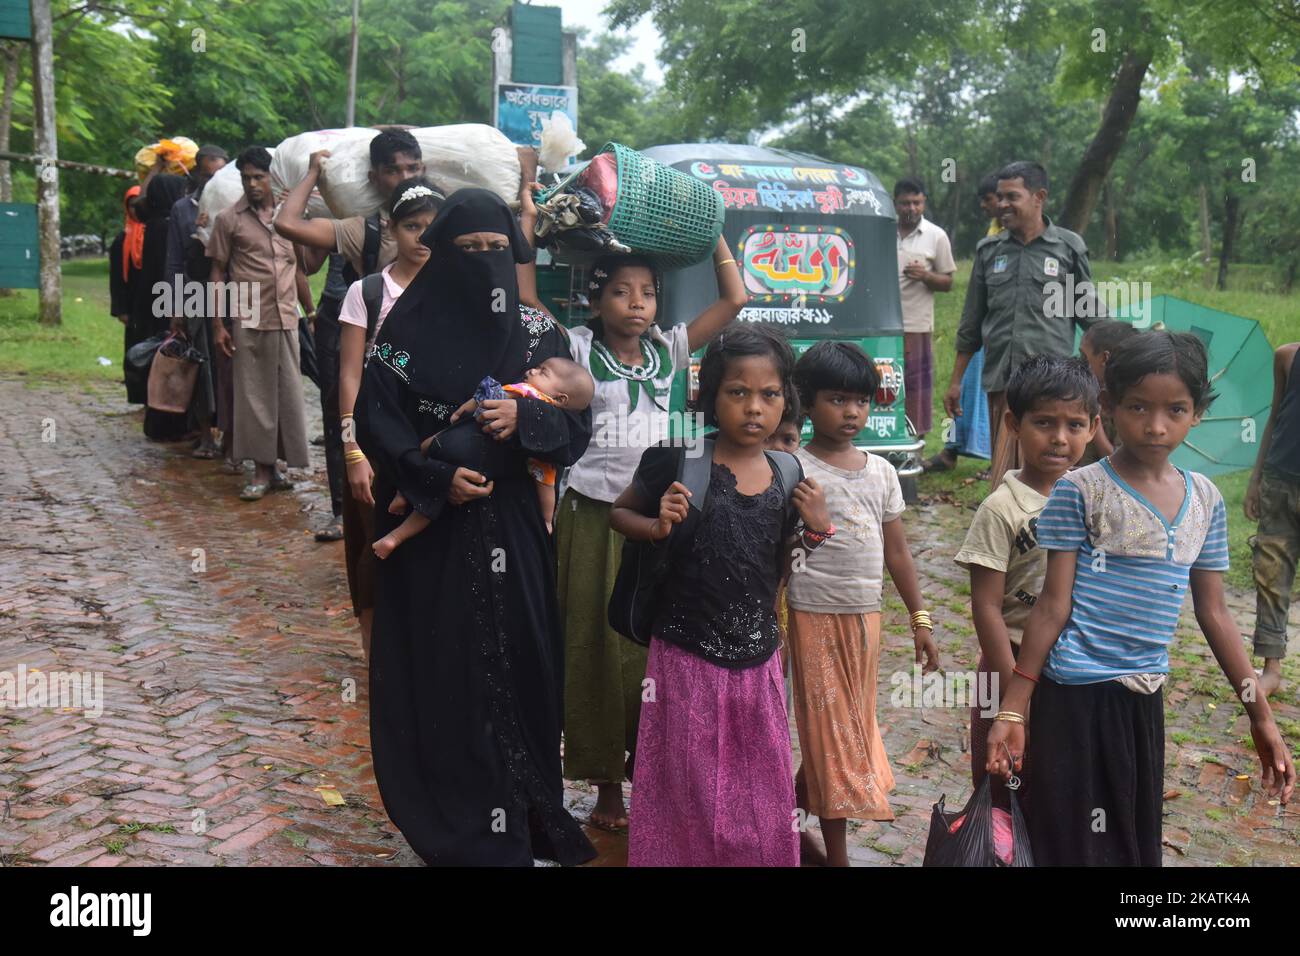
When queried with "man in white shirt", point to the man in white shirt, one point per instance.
{"points": [[925, 266]]}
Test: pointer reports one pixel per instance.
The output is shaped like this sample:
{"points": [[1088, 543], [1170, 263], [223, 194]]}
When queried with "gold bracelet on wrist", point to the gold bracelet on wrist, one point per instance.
{"points": [[1010, 716], [724, 262]]}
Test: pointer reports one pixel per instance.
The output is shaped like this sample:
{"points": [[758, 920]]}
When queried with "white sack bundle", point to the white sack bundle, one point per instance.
{"points": [[559, 142], [291, 157], [455, 157]]}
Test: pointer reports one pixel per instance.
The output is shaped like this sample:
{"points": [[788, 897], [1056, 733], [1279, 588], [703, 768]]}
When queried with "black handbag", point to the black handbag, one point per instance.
{"points": [[643, 568]]}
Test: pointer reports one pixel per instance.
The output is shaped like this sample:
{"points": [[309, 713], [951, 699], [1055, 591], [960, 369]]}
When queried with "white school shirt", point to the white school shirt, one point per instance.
{"points": [[620, 435]]}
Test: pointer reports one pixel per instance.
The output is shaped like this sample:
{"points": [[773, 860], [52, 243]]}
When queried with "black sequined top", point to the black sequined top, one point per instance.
{"points": [[720, 593]]}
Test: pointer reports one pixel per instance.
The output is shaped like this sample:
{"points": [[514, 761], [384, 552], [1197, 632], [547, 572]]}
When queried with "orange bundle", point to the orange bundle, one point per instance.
{"points": [[178, 153]]}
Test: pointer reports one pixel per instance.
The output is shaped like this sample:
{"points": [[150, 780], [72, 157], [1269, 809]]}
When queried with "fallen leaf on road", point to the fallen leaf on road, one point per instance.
{"points": [[1173, 794], [331, 796]]}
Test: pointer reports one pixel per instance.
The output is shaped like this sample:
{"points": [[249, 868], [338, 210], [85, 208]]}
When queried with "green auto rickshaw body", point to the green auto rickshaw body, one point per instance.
{"points": [[816, 243]]}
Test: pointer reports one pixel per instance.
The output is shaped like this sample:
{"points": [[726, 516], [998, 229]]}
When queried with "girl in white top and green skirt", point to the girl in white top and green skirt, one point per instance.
{"points": [[633, 362]]}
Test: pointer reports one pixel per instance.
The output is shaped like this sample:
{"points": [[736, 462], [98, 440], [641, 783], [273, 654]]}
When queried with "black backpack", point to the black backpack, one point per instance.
{"points": [[372, 294], [643, 568], [369, 251]]}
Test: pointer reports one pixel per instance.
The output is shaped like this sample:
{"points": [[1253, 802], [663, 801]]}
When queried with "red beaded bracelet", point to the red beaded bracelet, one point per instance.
{"points": [[819, 536], [1017, 670]]}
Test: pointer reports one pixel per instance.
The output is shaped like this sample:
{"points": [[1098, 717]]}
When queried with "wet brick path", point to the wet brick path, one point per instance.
{"points": [[234, 722]]}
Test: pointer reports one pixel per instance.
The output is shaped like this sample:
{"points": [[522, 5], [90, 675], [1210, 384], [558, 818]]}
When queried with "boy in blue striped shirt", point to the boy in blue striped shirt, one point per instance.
{"points": [[1127, 538]]}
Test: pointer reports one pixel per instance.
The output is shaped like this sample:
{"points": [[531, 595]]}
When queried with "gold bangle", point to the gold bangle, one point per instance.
{"points": [[346, 415], [723, 263], [353, 456], [1010, 716]]}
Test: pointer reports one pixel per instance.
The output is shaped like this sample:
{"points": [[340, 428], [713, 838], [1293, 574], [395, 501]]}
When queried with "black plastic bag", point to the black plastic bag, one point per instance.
{"points": [[136, 364], [973, 843]]}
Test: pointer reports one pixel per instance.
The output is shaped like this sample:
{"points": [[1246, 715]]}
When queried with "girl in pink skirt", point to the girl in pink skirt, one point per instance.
{"points": [[712, 782]]}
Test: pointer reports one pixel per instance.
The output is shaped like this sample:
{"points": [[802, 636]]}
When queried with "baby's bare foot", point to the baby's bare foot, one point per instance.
{"points": [[398, 505], [385, 546]]}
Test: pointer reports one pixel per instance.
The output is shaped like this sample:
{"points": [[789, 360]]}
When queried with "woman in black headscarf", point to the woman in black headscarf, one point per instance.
{"points": [[161, 194], [466, 672]]}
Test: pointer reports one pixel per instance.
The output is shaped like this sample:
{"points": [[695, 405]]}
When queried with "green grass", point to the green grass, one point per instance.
{"points": [[70, 351], [67, 352], [1250, 293]]}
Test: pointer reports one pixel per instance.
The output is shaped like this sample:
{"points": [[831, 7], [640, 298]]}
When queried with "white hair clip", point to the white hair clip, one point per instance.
{"points": [[415, 192]]}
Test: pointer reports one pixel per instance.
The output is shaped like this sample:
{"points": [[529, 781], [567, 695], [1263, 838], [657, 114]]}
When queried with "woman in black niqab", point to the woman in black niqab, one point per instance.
{"points": [[161, 194], [466, 672]]}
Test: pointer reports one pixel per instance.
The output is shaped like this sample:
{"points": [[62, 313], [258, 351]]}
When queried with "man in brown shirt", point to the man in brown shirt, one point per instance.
{"points": [[270, 419]]}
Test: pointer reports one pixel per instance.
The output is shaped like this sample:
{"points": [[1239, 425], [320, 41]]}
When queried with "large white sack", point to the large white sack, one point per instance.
{"points": [[455, 157], [221, 192], [289, 165]]}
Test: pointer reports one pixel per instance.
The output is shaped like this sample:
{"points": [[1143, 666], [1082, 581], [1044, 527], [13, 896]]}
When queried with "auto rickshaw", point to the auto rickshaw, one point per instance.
{"points": [[816, 242]]}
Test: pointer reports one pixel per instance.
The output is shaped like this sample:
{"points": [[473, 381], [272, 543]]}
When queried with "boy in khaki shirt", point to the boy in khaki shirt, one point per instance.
{"points": [[1053, 410]]}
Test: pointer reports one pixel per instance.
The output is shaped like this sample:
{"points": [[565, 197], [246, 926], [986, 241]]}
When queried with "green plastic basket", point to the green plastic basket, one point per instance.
{"points": [[661, 213]]}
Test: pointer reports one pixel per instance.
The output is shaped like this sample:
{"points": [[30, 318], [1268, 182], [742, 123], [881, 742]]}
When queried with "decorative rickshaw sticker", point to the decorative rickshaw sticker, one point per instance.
{"points": [[891, 384], [797, 263]]}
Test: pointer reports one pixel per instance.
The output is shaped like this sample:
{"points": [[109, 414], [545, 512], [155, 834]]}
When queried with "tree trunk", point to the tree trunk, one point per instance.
{"points": [[1116, 120], [47, 174], [9, 52], [1231, 204], [1207, 248], [1111, 221]]}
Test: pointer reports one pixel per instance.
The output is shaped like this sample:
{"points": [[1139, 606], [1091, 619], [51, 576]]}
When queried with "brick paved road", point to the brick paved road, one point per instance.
{"points": [[227, 701]]}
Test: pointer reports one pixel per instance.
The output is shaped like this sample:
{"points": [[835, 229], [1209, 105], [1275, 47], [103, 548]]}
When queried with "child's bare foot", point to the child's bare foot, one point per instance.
{"points": [[1270, 679], [810, 853], [385, 546], [609, 813], [396, 507]]}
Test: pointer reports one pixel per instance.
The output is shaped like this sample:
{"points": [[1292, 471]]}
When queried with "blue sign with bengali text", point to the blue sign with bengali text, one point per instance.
{"points": [[521, 107]]}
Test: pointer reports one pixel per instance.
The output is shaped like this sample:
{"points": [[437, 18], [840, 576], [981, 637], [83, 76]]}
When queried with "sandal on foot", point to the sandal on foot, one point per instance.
{"points": [[281, 482], [253, 491], [937, 463], [205, 451], [332, 531]]}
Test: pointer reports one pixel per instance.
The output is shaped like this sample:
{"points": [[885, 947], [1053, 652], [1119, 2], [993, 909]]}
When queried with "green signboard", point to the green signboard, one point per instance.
{"points": [[538, 45], [15, 19], [20, 258]]}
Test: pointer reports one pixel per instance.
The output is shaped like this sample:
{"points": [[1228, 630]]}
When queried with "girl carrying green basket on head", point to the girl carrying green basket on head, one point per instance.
{"points": [[633, 363]]}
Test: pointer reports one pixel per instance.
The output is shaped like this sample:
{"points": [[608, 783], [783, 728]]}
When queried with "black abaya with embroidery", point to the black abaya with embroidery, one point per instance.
{"points": [[466, 669]]}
